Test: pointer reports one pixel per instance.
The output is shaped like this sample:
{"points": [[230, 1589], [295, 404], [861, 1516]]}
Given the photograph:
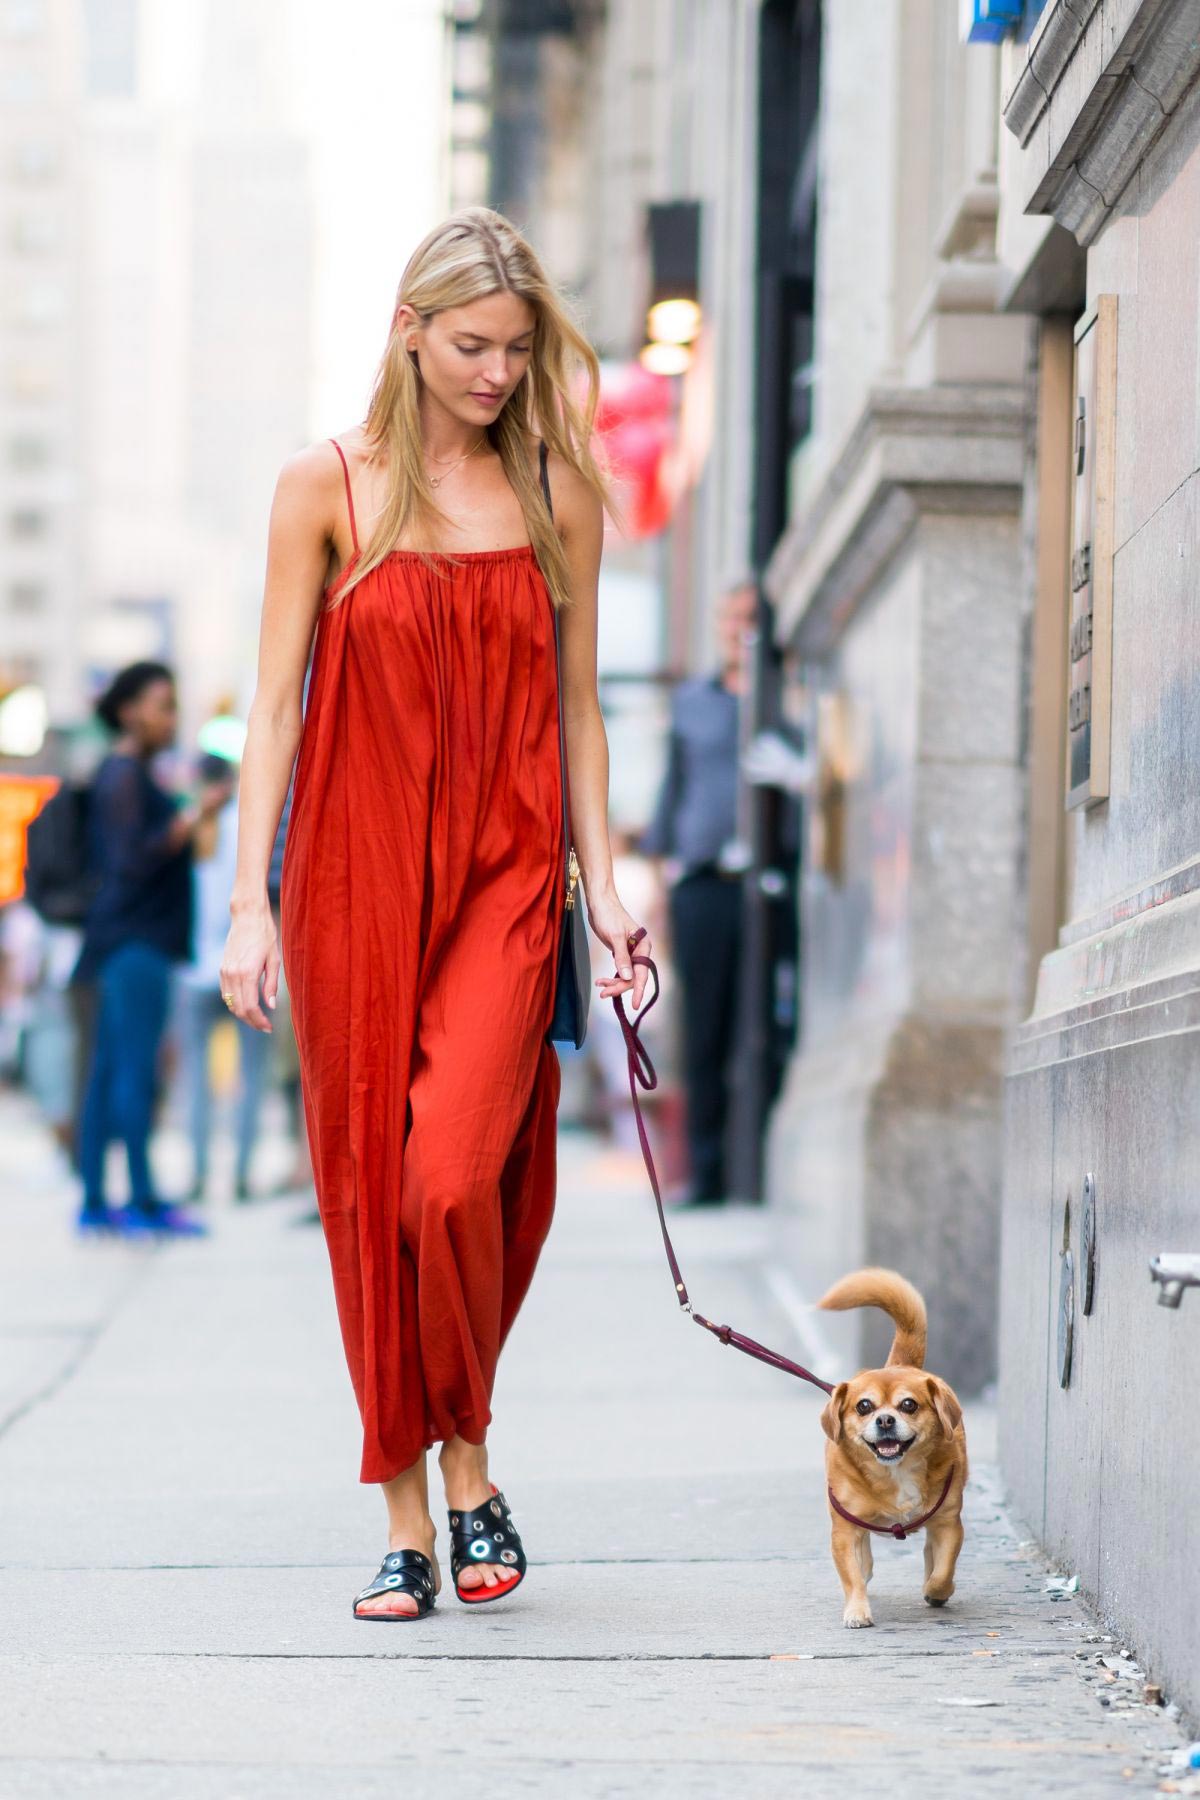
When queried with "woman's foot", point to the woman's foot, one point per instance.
{"points": [[407, 1578], [479, 1516], [409, 1528]]}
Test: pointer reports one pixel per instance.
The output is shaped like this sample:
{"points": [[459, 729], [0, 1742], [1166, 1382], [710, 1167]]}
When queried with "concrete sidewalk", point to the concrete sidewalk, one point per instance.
{"points": [[181, 1534]]}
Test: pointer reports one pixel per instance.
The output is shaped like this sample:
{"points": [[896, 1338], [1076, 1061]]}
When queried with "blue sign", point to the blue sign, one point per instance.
{"points": [[991, 21]]}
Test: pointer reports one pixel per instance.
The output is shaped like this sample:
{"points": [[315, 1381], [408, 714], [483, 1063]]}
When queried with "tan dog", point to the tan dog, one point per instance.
{"points": [[895, 1441]]}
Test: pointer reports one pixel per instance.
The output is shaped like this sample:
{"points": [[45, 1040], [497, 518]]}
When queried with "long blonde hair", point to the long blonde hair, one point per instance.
{"points": [[474, 253]]}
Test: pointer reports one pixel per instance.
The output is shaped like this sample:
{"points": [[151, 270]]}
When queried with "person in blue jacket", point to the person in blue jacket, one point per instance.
{"points": [[138, 925]]}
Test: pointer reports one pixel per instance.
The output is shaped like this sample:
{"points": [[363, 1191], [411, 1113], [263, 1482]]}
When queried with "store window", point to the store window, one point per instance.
{"points": [[30, 378], [22, 18], [28, 452], [789, 94], [22, 84], [38, 303], [34, 159], [27, 597], [111, 32], [34, 233]]}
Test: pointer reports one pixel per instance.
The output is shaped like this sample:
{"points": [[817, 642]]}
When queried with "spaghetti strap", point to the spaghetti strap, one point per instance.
{"points": [[349, 495]]}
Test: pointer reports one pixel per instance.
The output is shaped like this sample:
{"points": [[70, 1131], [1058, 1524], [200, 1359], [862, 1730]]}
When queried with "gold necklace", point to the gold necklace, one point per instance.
{"points": [[437, 480]]}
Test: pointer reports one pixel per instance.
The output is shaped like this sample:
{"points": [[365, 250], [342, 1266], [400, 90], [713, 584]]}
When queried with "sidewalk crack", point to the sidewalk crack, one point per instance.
{"points": [[88, 1338]]}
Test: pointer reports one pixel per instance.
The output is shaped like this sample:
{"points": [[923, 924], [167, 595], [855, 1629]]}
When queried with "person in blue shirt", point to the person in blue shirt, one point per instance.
{"points": [[201, 1008], [138, 925], [696, 834], [694, 831]]}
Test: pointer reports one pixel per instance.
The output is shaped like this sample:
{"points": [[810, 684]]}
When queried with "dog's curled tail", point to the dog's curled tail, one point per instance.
{"points": [[894, 1296]]}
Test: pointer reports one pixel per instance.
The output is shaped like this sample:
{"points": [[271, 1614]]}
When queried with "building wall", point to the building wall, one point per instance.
{"points": [[897, 587], [1104, 1074], [675, 120], [40, 350]]}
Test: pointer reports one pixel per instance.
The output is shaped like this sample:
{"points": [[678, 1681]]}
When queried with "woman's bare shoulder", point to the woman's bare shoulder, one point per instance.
{"points": [[317, 466], [309, 492]]}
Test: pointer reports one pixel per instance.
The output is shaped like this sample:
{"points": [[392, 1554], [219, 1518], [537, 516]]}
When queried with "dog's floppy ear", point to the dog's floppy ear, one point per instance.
{"points": [[945, 1405], [831, 1412]]}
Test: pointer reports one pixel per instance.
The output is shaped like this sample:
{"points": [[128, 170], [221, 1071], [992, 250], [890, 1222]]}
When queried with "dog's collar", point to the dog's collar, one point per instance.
{"points": [[900, 1532]]}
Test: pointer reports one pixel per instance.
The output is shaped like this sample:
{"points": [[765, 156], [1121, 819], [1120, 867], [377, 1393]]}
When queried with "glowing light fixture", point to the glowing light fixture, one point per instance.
{"points": [[665, 359], [23, 720], [675, 321]]}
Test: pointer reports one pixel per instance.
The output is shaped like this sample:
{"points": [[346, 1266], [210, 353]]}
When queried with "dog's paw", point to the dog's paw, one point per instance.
{"points": [[855, 1618]]}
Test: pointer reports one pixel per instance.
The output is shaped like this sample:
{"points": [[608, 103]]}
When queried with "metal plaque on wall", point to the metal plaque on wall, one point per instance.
{"points": [[1089, 658]]}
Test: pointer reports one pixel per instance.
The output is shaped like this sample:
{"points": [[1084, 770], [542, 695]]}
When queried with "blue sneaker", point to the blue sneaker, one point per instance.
{"points": [[159, 1219], [96, 1219]]}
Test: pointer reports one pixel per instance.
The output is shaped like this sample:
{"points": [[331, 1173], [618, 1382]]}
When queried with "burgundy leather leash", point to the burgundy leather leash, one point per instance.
{"points": [[642, 1074]]}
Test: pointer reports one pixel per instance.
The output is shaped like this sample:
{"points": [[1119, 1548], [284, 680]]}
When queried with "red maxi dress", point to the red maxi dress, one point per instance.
{"points": [[421, 903]]}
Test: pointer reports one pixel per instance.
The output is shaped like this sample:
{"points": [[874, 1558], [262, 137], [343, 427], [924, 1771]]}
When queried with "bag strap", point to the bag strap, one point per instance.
{"points": [[543, 455], [642, 1074]]}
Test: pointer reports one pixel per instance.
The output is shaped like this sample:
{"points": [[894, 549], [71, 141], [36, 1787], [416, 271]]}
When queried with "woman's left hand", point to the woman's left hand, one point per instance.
{"points": [[614, 927]]}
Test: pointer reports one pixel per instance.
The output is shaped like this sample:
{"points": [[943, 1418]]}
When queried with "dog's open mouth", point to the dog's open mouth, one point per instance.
{"points": [[889, 1449]]}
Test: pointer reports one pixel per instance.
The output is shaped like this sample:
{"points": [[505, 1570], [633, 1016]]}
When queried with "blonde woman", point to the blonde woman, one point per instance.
{"points": [[419, 556]]}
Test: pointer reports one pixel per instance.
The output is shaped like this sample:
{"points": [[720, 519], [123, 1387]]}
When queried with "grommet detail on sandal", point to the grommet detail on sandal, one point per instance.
{"points": [[476, 1541], [404, 1571]]}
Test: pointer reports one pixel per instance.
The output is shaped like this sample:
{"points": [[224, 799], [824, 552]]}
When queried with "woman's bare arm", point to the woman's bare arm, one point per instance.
{"points": [[580, 521], [301, 527]]}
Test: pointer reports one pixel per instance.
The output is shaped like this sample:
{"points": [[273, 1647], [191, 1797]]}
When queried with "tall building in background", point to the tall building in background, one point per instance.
{"points": [[41, 288], [206, 207], [197, 247], [156, 265]]}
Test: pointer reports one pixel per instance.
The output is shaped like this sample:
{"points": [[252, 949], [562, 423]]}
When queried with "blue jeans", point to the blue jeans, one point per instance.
{"points": [[133, 994], [200, 1011]]}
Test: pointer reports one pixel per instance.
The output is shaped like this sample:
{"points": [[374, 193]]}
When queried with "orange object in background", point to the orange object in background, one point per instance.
{"points": [[22, 798]]}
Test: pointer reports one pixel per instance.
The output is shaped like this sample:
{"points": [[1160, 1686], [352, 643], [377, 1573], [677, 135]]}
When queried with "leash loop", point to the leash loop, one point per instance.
{"points": [[899, 1532]]}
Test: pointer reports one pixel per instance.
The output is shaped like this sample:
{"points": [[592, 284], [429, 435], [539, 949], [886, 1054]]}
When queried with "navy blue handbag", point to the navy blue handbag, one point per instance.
{"points": [[573, 983]]}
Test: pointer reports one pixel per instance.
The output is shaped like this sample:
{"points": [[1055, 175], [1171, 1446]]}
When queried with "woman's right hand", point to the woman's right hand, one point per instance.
{"points": [[251, 961]]}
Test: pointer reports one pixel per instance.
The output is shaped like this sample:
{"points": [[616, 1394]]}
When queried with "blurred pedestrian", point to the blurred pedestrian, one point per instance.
{"points": [[138, 925], [694, 830], [37, 1030], [201, 1009]]}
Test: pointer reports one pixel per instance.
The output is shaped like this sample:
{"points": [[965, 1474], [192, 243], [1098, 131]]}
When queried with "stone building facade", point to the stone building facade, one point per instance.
{"points": [[986, 593], [1102, 1145], [898, 604]]}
